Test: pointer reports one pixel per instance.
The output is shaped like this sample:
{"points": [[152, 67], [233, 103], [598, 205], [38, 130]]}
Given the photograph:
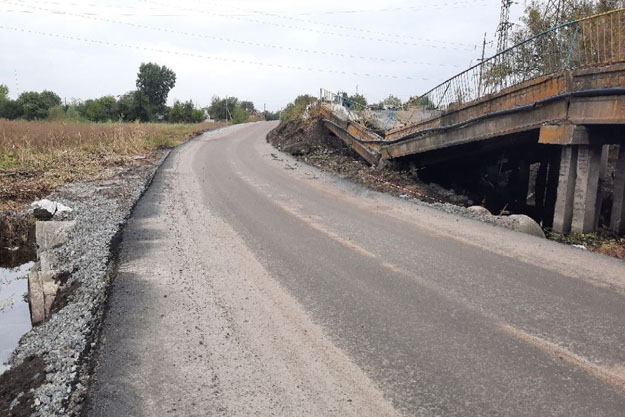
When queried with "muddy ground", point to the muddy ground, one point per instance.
{"points": [[310, 142]]}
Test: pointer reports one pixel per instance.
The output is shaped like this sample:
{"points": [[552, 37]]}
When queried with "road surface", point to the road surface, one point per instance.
{"points": [[250, 284]]}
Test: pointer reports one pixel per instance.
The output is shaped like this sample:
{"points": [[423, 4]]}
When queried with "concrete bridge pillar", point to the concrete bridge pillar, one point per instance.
{"points": [[585, 210], [617, 221], [578, 184], [563, 215]]}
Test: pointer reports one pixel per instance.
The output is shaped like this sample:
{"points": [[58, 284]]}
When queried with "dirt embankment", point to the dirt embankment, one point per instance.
{"points": [[17, 238], [311, 142]]}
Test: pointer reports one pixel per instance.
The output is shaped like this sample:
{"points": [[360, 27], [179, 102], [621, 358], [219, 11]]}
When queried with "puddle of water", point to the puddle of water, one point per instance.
{"points": [[14, 310]]}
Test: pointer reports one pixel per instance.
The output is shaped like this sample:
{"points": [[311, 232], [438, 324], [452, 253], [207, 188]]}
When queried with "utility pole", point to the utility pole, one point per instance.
{"points": [[503, 30], [479, 85]]}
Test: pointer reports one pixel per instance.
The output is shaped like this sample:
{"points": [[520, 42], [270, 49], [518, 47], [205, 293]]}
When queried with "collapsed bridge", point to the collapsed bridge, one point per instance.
{"points": [[549, 111]]}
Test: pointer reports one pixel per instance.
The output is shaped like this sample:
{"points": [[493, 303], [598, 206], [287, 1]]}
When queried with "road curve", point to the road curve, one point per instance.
{"points": [[252, 285]]}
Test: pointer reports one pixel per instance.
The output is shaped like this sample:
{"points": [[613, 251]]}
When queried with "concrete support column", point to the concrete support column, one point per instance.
{"points": [[586, 188], [563, 214], [617, 221], [551, 193]]}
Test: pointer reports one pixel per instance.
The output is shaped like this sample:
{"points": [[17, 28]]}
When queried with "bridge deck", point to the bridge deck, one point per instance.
{"points": [[592, 96]]}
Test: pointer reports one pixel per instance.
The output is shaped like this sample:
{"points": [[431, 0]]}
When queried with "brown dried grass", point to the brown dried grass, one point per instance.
{"points": [[36, 157]]}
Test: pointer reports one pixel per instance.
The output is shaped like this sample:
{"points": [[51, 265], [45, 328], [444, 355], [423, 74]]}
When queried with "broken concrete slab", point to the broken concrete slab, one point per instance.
{"points": [[46, 209]]}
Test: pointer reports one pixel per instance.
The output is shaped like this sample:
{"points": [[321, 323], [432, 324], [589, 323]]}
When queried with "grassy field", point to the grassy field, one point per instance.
{"points": [[36, 157]]}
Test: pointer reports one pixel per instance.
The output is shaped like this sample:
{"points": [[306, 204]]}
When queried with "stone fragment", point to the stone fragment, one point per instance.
{"points": [[45, 209], [482, 211], [526, 224]]}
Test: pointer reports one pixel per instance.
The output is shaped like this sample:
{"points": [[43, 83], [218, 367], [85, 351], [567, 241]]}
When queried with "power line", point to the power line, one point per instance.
{"points": [[384, 9], [210, 57], [236, 41], [93, 14], [305, 29], [350, 28]]}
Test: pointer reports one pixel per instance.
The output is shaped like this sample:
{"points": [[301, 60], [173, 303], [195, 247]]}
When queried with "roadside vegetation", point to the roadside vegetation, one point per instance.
{"points": [[36, 157], [45, 143]]}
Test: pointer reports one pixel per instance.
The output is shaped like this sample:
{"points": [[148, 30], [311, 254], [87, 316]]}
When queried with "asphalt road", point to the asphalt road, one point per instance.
{"points": [[252, 285]]}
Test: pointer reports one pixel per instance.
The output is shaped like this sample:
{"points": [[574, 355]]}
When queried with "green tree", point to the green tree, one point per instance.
{"points": [[296, 110], [248, 106], [239, 115], [4, 92], [392, 102], [134, 106], [155, 82], [95, 111], [358, 101], [223, 108], [185, 113], [35, 106]]}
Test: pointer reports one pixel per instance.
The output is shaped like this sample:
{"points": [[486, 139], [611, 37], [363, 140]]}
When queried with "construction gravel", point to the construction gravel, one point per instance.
{"points": [[65, 341]]}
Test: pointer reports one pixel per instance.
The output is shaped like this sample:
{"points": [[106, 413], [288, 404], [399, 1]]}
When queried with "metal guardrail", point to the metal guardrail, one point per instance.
{"points": [[593, 41]]}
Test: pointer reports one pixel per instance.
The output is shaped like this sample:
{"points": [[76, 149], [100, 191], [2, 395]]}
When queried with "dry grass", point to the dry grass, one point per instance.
{"points": [[36, 157]]}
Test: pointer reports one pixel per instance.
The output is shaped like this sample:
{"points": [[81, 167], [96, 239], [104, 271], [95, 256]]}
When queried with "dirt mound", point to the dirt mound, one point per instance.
{"points": [[305, 137]]}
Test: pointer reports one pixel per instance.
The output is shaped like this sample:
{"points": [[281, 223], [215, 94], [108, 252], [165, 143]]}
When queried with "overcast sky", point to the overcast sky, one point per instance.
{"points": [[266, 51]]}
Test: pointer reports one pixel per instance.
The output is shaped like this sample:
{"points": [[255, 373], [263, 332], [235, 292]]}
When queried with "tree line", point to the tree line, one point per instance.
{"points": [[145, 104]]}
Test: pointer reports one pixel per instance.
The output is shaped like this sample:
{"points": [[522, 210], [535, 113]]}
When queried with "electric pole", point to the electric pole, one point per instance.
{"points": [[503, 30], [479, 85]]}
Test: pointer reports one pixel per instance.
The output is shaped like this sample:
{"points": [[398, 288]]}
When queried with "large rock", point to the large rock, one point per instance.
{"points": [[482, 211], [523, 224]]}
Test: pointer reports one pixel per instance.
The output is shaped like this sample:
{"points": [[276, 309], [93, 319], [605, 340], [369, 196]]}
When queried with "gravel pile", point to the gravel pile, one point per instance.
{"points": [[65, 341]]}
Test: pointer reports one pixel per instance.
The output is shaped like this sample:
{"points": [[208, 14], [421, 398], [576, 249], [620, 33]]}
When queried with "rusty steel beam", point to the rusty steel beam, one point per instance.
{"points": [[369, 155], [492, 128]]}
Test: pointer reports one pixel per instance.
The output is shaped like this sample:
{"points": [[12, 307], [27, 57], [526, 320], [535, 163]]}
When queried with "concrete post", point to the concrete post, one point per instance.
{"points": [[617, 221], [551, 192], [586, 188], [563, 214], [603, 180]]}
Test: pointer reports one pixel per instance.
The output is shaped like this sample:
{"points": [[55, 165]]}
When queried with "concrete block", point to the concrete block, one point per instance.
{"points": [[563, 134], [50, 289], [563, 214], [48, 261], [52, 234], [586, 188], [36, 298], [617, 221], [42, 290]]}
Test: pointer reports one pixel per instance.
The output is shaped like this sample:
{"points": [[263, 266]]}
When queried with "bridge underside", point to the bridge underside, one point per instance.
{"points": [[563, 126]]}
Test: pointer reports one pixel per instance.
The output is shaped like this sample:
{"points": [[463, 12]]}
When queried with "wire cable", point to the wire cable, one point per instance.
{"points": [[311, 30], [211, 57], [236, 41], [352, 28]]}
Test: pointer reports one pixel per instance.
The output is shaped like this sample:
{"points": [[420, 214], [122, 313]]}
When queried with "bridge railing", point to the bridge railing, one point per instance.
{"points": [[592, 41], [376, 119]]}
